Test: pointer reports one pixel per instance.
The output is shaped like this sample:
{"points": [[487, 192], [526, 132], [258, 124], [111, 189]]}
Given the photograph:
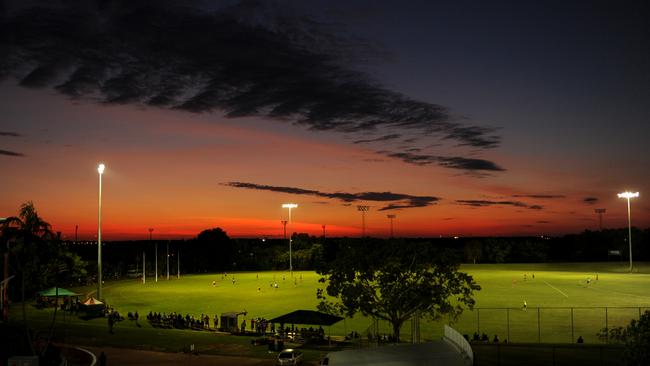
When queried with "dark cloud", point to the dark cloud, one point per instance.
{"points": [[454, 162], [12, 134], [246, 60], [474, 136], [486, 203], [10, 153], [543, 222], [540, 196], [379, 139], [469, 164], [397, 200], [590, 200]]}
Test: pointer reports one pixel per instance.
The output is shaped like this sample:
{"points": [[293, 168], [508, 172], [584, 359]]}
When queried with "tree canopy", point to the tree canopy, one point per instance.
{"points": [[637, 346], [393, 281], [39, 258]]}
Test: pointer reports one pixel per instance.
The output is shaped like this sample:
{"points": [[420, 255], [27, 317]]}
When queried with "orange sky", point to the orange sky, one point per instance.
{"points": [[165, 170]]}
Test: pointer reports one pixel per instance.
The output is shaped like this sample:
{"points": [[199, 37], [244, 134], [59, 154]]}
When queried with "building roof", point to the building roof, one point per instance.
{"points": [[53, 292]]}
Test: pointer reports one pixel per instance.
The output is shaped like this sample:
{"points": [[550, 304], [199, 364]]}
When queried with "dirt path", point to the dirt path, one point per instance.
{"points": [[131, 357]]}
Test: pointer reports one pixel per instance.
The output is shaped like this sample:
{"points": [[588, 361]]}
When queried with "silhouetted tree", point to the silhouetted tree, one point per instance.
{"points": [[637, 346], [212, 250], [393, 281]]}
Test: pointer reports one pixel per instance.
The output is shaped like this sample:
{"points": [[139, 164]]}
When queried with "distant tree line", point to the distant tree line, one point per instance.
{"points": [[214, 251], [588, 246]]}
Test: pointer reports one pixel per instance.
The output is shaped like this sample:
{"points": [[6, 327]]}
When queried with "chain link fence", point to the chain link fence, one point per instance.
{"points": [[595, 325]]}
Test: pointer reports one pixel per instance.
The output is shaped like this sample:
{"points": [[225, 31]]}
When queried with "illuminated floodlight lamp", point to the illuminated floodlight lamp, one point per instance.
{"points": [[627, 195], [290, 206]]}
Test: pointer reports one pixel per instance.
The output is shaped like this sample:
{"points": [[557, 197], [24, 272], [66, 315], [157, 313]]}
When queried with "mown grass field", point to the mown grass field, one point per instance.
{"points": [[503, 286]]}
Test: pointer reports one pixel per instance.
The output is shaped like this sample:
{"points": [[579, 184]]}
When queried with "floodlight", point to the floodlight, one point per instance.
{"points": [[627, 195], [289, 206]]}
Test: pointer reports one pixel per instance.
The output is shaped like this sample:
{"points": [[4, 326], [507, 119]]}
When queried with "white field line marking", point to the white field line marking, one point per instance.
{"points": [[555, 288]]}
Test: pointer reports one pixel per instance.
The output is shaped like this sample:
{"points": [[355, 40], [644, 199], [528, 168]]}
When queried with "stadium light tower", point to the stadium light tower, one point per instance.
{"points": [[290, 206], [100, 170], [284, 227], [600, 212], [363, 210], [629, 195], [391, 218]]}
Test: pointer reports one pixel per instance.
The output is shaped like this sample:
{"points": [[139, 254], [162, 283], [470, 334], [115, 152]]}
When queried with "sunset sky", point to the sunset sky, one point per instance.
{"points": [[477, 118]]}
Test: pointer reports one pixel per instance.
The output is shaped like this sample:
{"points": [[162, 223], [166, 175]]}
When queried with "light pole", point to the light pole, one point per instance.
{"points": [[156, 254], [290, 206], [600, 212], [629, 195], [167, 260], [100, 170], [144, 265], [363, 210], [391, 217], [284, 226]]}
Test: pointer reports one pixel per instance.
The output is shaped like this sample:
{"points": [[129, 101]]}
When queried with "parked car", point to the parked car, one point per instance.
{"points": [[289, 357]]}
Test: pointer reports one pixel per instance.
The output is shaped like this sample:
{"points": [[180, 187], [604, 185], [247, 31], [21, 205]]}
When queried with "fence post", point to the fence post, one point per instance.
{"points": [[508, 325], [553, 348], [478, 321], [498, 354], [606, 327], [602, 359], [539, 329], [572, 334]]}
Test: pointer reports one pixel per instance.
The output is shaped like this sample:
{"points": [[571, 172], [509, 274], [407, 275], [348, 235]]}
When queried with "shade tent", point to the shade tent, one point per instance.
{"points": [[307, 317], [92, 301], [93, 307], [54, 291]]}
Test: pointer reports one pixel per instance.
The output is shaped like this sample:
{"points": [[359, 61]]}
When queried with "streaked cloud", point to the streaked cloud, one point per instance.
{"points": [[590, 200], [488, 203], [244, 60], [379, 139], [11, 153], [455, 162], [396, 200], [539, 196]]}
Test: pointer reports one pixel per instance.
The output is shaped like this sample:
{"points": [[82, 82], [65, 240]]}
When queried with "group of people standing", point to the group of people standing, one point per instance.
{"points": [[177, 320]]}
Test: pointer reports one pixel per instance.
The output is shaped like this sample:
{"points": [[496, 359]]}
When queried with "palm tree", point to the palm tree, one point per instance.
{"points": [[27, 227], [24, 232]]}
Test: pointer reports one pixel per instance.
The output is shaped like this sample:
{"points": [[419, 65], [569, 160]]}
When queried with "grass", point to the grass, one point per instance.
{"points": [[555, 286]]}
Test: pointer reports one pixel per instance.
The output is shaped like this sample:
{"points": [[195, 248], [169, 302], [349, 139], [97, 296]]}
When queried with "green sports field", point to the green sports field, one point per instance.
{"points": [[555, 289], [587, 287]]}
